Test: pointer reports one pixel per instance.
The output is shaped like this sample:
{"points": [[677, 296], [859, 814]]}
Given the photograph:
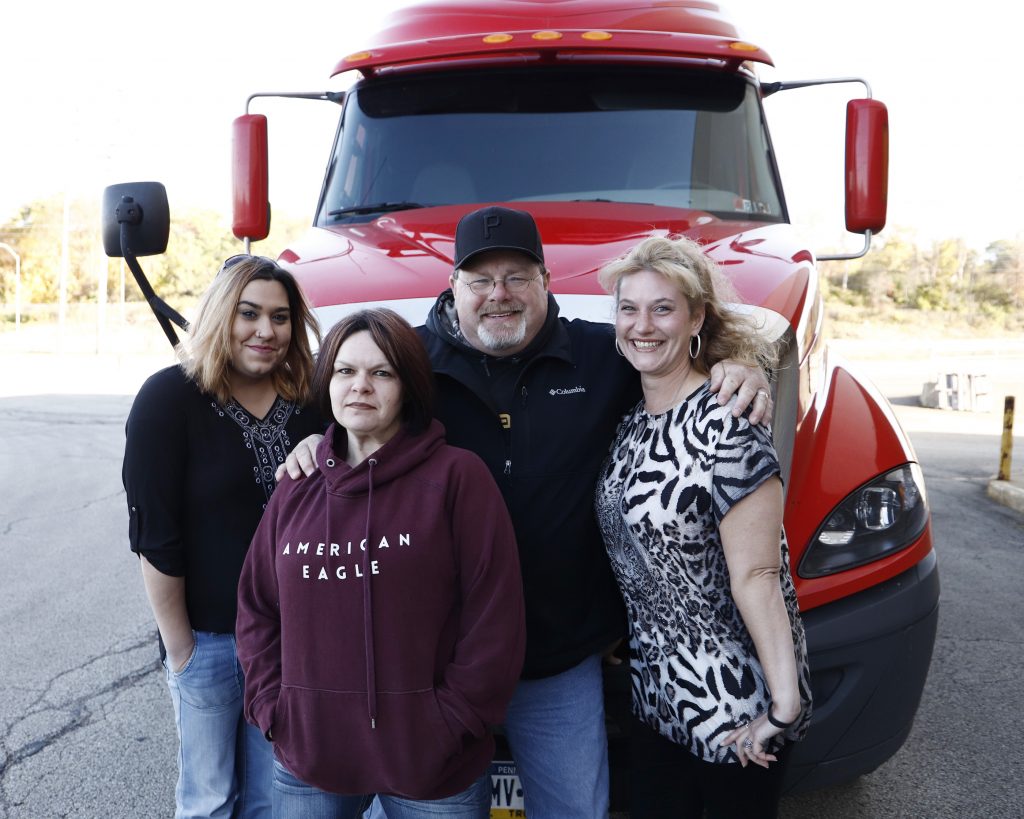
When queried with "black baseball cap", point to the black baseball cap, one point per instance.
{"points": [[496, 228]]}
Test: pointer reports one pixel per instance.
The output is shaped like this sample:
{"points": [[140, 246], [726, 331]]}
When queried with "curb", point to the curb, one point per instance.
{"points": [[1008, 493]]}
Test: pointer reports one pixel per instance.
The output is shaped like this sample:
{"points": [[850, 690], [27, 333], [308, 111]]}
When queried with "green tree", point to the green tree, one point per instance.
{"points": [[1005, 265], [944, 280], [38, 234], [199, 241]]}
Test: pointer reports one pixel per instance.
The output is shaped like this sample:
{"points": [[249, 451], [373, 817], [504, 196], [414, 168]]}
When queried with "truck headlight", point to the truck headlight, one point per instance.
{"points": [[879, 518]]}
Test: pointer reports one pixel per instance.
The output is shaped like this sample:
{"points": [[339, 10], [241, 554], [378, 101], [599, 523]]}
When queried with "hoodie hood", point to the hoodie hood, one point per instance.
{"points": [[404, 452]]}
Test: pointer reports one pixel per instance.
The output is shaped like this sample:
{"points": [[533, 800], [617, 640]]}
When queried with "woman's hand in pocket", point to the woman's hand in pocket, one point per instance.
{"points": [[180, 652]]}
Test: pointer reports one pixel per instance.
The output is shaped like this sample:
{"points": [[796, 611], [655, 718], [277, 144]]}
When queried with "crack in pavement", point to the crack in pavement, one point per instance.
{"points": [[974, 640], [87, 505], [78, 711], [51, 418]]}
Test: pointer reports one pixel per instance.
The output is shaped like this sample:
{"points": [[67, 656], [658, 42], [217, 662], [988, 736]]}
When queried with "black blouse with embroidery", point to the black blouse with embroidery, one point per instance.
{"points": [[198, 476]]}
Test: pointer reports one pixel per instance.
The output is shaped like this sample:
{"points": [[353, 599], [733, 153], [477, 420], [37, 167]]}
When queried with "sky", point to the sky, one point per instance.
{"points": [[99, 93]]}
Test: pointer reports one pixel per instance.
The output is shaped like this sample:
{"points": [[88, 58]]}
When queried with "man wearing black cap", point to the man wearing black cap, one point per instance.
{"points": [[499, 283], [538, 398]]}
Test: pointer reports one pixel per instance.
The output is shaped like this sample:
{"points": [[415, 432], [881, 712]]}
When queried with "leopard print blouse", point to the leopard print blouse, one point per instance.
{"points": [[668, 482]]}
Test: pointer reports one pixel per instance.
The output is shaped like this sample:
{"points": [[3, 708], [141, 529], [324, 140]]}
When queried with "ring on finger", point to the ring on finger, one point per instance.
{"points": [[748, 745]]}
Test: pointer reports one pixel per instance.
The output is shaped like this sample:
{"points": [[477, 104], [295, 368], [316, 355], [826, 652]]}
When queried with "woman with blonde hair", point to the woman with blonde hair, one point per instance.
{"points": [[690, 507], [203, 441]]}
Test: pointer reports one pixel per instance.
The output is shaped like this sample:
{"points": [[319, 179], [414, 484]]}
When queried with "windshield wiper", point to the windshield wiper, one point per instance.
{"points": [[379, 207]]}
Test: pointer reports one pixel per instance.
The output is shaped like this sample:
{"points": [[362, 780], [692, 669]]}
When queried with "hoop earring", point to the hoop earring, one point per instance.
{"points": [[618, 349], [692, 353]]}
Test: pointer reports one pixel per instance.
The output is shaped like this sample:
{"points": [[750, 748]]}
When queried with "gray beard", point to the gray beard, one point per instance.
{"points": [[499, 342]]}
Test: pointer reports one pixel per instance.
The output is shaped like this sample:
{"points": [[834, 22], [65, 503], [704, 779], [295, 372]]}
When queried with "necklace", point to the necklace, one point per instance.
{"points": [[661, 394]]}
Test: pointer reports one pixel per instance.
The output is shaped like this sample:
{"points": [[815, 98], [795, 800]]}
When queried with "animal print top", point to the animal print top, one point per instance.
{"points": [[668, 482]]}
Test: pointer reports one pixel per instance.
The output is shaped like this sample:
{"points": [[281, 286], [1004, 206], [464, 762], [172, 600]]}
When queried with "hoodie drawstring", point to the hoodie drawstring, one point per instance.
{"points": [[371, 671]]}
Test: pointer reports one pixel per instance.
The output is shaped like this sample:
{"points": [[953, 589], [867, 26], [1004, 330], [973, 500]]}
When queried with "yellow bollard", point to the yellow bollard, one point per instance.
{"points": [[1006, 451]]}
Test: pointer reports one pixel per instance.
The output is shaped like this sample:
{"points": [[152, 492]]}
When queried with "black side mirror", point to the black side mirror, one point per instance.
{"points": [[141, 209], [137, 222]]}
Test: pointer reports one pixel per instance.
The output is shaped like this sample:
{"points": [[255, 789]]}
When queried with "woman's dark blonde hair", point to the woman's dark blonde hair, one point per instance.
{"points": [[725, 333], [207, 357]]}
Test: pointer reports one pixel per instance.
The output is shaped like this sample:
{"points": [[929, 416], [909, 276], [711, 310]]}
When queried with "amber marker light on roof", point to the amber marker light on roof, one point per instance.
{"points": [[596, 35], [547, 35], [359, 55], [497, 38], [740, 46]]}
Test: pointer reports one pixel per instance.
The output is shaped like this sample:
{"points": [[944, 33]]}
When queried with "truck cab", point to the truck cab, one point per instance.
{"points": [[610, 122]]}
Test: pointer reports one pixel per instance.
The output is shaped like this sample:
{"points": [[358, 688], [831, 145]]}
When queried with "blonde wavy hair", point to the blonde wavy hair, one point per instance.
{"points": [[206, 356], [725, 333]]}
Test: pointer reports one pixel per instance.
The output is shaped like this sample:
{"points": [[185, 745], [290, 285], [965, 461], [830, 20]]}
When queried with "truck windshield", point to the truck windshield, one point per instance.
{"points": [[681, 138]]}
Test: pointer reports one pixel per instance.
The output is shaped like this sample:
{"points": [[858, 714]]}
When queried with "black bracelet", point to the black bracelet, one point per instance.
{"points": [[779, 724]]}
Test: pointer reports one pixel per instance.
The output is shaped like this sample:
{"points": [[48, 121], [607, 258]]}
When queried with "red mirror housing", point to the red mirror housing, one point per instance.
{"points": [[867, 165], [250, 185]]}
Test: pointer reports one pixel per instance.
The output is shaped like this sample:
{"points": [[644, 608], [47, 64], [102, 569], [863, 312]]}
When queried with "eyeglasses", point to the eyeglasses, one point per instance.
{"points": [[243, 257], [485, 286]]}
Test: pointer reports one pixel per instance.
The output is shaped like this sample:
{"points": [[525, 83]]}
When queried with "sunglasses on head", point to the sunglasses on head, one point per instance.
{"points": [[242, 257]]}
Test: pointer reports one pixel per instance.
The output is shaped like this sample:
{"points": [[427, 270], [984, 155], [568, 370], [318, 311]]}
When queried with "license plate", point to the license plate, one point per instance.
{"points": [[506, 791]]}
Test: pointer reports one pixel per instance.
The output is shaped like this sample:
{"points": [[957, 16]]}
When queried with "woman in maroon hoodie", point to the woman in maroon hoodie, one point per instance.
{"points": [[380, 614]]}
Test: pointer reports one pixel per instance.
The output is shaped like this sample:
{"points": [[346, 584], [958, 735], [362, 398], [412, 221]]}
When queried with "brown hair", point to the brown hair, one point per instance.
{"points": [[401, 347], [725, 333], [208, 357]]}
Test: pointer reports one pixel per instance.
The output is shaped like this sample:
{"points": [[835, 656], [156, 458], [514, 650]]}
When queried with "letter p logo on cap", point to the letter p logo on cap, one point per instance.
{"points": [[490, 221], [496, 228]]}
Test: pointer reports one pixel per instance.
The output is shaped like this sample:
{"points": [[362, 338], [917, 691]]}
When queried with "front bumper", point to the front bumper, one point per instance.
{"points": [[869, 655]]}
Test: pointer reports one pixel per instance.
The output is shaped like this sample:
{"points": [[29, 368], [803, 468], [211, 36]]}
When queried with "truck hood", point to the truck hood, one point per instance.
{"points": [[408, 255]]}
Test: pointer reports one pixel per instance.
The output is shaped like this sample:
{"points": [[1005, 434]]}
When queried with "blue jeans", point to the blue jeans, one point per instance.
{"points": [[555, 729], [294, 799], [224, 764]]}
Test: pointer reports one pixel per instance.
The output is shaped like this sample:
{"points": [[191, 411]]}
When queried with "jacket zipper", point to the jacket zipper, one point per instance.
{"points": [[508, 438]]}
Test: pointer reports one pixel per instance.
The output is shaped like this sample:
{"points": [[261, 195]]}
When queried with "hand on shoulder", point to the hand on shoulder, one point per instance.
{"points": [[748, 384], [301, 461]]}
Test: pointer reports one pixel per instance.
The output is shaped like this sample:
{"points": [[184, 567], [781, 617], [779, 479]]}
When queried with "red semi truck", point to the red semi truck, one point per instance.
{"points": [[609, 122]]}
